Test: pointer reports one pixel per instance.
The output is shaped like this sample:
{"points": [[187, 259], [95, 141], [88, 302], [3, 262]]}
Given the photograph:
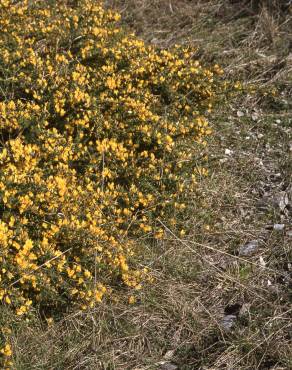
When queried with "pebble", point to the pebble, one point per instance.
{"points": [[279, 227], [228, 152], [168, 366], [228, 321], [249, 248]]}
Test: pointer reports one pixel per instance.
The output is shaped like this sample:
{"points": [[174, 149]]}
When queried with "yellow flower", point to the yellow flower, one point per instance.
{"points": [[132, 299], [6, 350], [7, 300]]}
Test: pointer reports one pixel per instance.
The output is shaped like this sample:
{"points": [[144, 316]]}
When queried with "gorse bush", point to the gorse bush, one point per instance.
{"points": [[99, 136]]}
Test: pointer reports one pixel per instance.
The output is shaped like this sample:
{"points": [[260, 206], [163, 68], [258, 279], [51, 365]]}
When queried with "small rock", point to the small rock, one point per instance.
{"points": [[239, 113], [260, 136], [249, 248], [279, 227], [228, 321], [168, 366], [228, 152], [278, 121], [289, 233]]}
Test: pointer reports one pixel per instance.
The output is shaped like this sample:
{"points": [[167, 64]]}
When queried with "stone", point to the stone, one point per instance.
{"points": [[249, 248]]}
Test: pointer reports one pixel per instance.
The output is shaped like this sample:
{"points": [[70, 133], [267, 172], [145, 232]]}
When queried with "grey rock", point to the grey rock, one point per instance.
{"points": [[228, 321], [168, 366], [278, 227], [228, 151], [249, 248]]}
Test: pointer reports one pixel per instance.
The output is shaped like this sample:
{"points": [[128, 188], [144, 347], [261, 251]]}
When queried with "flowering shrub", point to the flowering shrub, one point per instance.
{"points": [[99, 136]]}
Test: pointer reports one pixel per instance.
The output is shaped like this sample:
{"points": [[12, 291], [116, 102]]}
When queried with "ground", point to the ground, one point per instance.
{"points": [[217, 302]]}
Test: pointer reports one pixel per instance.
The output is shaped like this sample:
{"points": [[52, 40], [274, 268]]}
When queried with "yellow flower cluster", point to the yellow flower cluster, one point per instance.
{"points": [[99, 135]]}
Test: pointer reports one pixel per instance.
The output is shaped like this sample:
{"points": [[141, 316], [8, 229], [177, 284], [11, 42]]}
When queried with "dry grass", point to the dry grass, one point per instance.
{"points": [[178, 319]]}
